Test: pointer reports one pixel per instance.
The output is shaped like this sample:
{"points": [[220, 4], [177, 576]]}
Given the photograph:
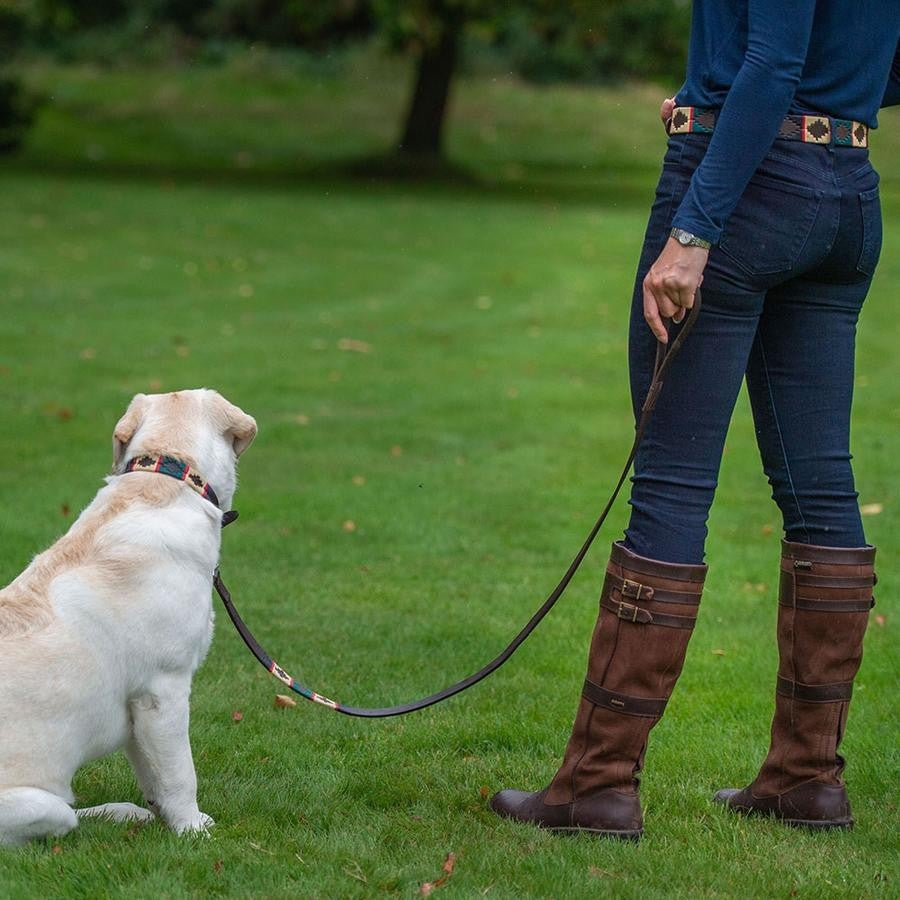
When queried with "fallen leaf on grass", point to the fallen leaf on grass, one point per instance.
{"points": [[426, 889], [64, 509], [718, 652], [871, 509], [237, 716], [354, 346], [349, 525], [759, 586], [218, 865], [880, 620], [56, 849], [485, 790], [283, 701]]}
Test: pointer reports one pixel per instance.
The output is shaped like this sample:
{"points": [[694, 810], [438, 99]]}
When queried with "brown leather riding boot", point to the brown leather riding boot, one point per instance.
{"points": [[647, 612], [824, 602]]}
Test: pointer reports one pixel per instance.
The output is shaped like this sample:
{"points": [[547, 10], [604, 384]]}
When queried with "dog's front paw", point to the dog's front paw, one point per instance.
{"points": [[199, 823]]}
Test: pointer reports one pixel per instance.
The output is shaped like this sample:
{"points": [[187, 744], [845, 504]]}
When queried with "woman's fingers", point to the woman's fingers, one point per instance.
{"points": [[656, 308], [670, 285]]}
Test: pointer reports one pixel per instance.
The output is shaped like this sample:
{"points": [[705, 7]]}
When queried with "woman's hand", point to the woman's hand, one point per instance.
{"points": [[670, 285]]}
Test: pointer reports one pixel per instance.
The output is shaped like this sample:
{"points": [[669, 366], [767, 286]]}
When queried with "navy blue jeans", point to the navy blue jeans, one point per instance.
{"points": [[781, 297]]}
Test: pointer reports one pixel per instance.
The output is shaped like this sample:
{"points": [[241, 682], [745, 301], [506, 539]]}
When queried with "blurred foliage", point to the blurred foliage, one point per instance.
{"points": [[17, 105], [541, 40], [587, 41], [17, 109]]}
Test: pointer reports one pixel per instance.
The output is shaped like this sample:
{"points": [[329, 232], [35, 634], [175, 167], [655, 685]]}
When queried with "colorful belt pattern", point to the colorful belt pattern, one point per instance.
{"points": [[809, 129], [174, 468]]}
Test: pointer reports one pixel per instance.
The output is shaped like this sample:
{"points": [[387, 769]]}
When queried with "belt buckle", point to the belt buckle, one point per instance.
{"points": [[631, 588], [627, 611]]}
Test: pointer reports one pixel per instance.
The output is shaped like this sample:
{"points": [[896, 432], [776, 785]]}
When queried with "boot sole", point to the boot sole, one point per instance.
{"points": [[814, 824], [819, 825], [597, 832], [625, 835]]}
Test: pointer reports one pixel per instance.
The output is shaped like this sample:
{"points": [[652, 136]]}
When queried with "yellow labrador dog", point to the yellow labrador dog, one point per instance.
{"points": [[101, 635]]}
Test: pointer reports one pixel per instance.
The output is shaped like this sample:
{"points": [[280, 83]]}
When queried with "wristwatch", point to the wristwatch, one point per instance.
{"points": [[686, 239]]}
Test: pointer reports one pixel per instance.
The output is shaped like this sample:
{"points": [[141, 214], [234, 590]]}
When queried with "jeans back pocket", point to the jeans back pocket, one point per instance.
{"points": [[770, 225]]}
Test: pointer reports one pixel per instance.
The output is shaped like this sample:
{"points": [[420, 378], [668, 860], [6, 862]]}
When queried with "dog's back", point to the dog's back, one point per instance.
{"points": [[26, 604]]}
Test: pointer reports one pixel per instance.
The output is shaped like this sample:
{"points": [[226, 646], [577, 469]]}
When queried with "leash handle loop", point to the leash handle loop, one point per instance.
{"points": [[665, 353]]}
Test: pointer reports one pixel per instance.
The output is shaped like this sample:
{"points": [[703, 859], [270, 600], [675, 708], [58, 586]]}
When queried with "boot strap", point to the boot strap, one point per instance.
{"points": [[863, 582], [635, 590], [647, 707], [629, 612], [820, 605], [815, 693]]}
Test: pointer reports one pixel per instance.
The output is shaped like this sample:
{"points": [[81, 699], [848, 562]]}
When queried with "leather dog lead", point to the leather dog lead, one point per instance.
{"points": [[665, 353]]}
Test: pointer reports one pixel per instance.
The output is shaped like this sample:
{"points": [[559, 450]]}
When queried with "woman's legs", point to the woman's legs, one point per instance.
{"points": [[800, 379], [677, 465]]}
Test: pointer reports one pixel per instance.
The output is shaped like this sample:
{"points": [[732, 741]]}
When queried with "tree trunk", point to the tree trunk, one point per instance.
{"points": [[423, 131]]}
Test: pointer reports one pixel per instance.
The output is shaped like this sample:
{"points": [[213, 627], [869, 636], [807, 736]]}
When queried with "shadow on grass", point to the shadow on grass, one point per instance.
{"points": [[527, 182]]}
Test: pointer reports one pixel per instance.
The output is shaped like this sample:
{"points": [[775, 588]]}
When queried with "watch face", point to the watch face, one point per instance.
{"points": [[684, 238]]}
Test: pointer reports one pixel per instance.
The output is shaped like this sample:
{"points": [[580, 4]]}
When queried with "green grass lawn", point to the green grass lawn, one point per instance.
{"points": [[443, 366]]}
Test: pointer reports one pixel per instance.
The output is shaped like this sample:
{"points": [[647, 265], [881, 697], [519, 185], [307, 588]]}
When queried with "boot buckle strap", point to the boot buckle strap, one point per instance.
{"points": [[628, 612], [635, 590], [646, 707], [631, 613], [818, 604], [814, 693]]}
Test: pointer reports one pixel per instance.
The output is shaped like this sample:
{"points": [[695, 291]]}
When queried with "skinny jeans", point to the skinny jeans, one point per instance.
{"points": [[781, 296]]}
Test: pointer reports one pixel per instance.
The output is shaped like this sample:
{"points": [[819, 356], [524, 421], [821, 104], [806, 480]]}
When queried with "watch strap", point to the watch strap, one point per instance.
{"points": [[686, 239]]}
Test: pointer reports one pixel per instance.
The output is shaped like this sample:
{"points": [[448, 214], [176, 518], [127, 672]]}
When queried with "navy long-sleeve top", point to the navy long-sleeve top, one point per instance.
{"points": [[756, 61]]}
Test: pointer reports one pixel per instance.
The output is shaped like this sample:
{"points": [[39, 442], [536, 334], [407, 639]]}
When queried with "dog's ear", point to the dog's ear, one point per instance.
{"points": [[126, 428], [236, 425]]}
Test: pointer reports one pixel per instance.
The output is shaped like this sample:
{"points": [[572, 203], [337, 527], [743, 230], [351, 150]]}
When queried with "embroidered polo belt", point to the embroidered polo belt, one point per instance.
{"points": [[809, 129]]}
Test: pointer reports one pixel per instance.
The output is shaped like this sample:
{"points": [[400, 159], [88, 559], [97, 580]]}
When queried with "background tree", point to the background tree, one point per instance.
{"points": [[545, 40], [542, 40], [17, 106]]}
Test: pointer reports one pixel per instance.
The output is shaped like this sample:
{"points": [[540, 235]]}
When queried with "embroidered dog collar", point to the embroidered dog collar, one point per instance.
{"points": [[174, 468]]}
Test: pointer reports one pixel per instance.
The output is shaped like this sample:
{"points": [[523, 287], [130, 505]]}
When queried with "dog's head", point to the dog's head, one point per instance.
{"points": [[199, 427]]}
